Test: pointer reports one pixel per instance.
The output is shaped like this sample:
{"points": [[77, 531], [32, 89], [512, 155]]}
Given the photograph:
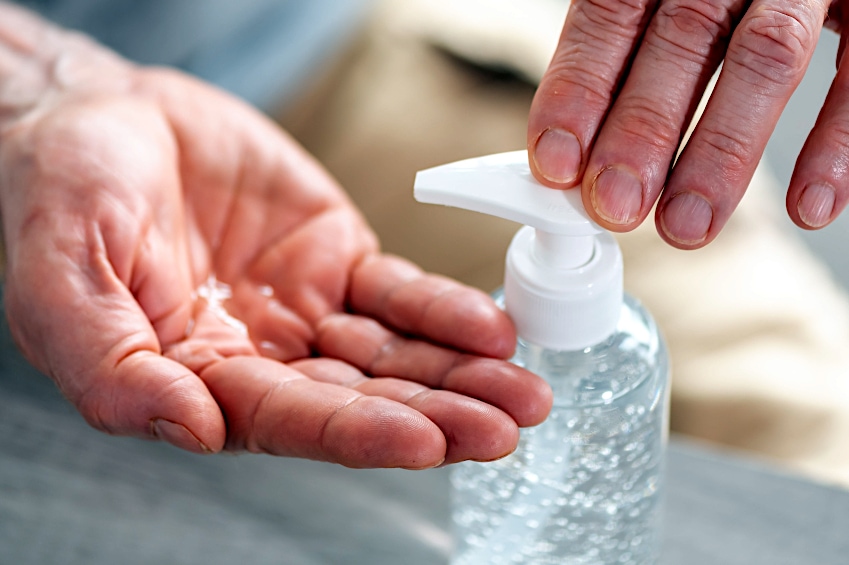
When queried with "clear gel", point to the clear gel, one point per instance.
{"points": [[584, 487]]}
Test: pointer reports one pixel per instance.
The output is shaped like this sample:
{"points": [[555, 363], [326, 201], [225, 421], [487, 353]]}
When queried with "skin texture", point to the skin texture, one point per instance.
{"points": [[624, 84], [124, 189]]}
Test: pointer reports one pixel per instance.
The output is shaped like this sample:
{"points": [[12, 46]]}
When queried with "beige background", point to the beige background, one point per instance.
{"points": [[756, 327]]}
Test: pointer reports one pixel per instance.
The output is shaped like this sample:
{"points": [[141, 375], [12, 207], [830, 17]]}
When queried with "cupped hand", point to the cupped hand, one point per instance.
{"points": [[184, 271], [625, 82]]}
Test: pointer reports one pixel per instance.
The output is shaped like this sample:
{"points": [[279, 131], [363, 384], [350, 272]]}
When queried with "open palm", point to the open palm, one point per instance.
{"points": [[183, 270]]}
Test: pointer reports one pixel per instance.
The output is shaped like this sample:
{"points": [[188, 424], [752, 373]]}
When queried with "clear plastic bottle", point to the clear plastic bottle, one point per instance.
{"points": [[584, 487]]}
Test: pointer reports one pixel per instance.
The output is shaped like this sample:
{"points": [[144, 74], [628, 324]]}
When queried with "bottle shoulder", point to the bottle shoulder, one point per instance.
{"points": [[633, 357]]}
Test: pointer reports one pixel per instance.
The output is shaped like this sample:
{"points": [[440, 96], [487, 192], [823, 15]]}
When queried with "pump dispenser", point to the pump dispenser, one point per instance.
{"points": [[584, 487], [562, 266]]}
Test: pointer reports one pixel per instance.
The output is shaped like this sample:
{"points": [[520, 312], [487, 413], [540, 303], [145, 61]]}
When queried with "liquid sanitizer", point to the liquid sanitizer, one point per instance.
{"points": [[584, 487]]}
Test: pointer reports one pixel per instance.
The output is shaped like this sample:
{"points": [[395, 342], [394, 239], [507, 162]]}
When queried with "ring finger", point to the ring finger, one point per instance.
{"points": [[767, 57]]}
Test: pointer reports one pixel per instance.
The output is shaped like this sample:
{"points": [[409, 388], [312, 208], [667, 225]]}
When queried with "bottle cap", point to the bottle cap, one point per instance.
{"points": [[563, 275]]}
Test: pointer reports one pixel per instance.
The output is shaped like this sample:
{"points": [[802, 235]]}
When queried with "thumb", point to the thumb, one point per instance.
{"points": [[77, 322]]}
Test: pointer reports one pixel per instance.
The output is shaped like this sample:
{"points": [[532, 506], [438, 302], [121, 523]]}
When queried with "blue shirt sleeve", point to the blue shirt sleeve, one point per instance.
{"points": [[261, 50]]}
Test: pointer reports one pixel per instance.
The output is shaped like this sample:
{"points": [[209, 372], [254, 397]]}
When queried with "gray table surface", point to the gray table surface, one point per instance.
{"points": [[70, 495]]}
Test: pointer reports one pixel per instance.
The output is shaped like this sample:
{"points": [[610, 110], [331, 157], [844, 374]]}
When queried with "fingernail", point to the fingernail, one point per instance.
{"points": [[617, 195], [177, 435], [557, 155], [434, 466], [816, 205], [686, 218]]}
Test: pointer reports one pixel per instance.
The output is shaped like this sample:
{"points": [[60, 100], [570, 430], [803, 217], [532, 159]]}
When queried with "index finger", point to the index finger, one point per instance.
{"points": [[401, 295], [573, 98]]}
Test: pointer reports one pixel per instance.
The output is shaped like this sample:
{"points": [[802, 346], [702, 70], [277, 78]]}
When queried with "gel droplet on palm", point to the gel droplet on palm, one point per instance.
{"points": [[215, 293]]}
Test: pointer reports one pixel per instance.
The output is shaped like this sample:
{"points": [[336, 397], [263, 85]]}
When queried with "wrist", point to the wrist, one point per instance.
{"points": [[42, 65]]}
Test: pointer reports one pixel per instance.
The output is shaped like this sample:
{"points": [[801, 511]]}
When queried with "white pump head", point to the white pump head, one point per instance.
{"points": [[563, 277]]}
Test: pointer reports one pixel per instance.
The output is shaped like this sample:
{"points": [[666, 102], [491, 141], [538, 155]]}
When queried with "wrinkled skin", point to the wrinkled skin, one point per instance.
{"points": [[624, 85], [124, 189]]}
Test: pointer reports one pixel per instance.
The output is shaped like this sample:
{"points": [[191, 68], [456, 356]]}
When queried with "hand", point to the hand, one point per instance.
{"points": [[625, 82], [184, 271]]}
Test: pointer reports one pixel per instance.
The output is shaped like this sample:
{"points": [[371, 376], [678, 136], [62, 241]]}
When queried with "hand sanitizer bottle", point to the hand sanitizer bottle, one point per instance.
{"points": [[585, 486]]}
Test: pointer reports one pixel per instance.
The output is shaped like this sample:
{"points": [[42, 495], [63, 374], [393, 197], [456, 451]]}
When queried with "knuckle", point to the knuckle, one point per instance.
{"points": [[773, 44], [692, 28], [729, 151], [567, 83], [642, 119], [606, 23], [585, 69], [837, 136], [597, 42], [250, 431], [92, 406], [614, 15]]}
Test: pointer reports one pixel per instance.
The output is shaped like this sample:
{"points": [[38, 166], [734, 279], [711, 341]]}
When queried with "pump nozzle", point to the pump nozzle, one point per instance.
{"points": [[561, 287], [502, 185]]}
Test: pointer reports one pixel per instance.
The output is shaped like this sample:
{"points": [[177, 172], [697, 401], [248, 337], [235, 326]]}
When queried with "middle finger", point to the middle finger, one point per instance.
{"points": [[627, 169], [473, 429], [379, 352]]}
